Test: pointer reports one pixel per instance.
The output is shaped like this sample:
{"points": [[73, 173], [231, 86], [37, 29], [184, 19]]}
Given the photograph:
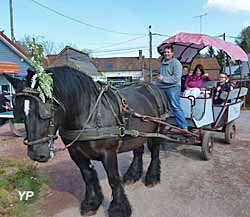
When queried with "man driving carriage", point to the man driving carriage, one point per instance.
{"points": [[169, 80]]}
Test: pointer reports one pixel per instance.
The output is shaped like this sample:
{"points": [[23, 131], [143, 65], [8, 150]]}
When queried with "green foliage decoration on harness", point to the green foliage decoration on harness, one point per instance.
{"points": [[41, 80]]}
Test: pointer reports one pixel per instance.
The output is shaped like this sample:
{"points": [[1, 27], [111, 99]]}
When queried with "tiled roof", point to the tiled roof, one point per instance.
{"points": [[15, 45], [118, 64], [74, 58], [73, 49]]}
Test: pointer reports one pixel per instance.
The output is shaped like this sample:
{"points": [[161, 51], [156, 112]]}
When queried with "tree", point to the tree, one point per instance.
{"points": [[210, 52], [244, 39], [48, 45], [220, 58]]}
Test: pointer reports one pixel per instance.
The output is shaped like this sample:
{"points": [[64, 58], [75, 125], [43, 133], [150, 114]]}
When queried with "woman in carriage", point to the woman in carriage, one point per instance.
{"points": [[194, 82]]}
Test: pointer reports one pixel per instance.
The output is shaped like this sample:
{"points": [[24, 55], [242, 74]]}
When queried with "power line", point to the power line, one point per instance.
{"points": [[126, 48], [121, 52], [159, 34], [81, 22], [233, 37], [119, 43], [122, 49]]}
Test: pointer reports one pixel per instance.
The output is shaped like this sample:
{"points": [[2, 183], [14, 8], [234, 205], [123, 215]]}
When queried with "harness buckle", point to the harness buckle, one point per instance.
{"points": [[122, 132], [125, 107]]}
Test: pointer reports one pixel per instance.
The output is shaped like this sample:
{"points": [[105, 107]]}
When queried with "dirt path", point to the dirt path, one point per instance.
{"points": [[189, 186]]}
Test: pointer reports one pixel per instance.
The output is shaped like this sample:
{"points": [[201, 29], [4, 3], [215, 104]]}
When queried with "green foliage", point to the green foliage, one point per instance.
{"points": [[41, 80], [220, 58], [18, 176], [244, 39], [248, 105], [210, 52]]}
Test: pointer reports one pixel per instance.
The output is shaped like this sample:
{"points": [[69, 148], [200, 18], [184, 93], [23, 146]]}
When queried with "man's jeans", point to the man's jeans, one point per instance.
{"points": [[173, 97]]}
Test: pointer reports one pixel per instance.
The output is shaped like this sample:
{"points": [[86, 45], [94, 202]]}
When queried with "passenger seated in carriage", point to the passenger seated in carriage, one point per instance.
{"points": [[185, 74], [194, 82], [223, 85]]}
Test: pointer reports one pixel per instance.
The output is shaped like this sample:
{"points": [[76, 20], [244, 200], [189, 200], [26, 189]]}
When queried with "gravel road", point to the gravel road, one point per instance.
{"points": [[190, 187]]}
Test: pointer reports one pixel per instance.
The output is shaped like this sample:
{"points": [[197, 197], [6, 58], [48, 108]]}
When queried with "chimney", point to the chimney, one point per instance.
{"points": [[141, 61], [140, 55]]}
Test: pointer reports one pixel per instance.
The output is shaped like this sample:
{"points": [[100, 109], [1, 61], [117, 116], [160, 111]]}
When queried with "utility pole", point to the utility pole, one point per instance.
{"points": [[11, 21], [200, 17], [150, 53], [225, 56]]}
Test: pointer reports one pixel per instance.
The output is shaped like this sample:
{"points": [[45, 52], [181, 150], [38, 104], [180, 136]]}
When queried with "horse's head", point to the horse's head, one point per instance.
{"points": [[40, 123]]}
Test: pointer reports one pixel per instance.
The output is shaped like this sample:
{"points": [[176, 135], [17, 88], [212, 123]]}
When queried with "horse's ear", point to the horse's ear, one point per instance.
{"points": [[18, 84], [29, 76]]}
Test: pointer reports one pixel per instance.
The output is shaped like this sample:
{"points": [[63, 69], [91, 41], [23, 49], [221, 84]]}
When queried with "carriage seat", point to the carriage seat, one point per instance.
{"points": [[209, 84], [207, 88], [233, 94]]}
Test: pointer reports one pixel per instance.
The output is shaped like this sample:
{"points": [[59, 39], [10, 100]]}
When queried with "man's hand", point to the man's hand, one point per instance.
{"points": [[160, 77]]}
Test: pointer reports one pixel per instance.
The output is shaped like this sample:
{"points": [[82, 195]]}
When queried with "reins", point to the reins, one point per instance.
{"points": [[103, 89]]}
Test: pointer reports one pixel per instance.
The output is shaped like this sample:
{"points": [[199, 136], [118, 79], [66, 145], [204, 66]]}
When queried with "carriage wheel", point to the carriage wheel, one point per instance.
{"points": [[18, 132], [230, 133], [207, 145]]}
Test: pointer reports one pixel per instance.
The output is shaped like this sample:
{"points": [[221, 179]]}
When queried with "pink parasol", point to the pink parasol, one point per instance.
{"points": [[188, 45]]}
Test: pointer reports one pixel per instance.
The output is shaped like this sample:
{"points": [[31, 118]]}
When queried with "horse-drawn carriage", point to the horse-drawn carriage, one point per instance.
{"points": [[104, 121], [202, 113]]}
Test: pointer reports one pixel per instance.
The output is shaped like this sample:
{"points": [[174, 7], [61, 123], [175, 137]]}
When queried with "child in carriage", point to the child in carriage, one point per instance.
{"points": [[194, 82], [223, 85]]}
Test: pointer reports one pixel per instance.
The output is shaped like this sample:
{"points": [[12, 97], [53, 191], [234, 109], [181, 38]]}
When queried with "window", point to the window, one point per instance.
{"points": [[5, 89]]}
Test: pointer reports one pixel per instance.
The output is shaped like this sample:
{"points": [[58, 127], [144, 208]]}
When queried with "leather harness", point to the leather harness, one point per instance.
{"points": [[100, 132]]}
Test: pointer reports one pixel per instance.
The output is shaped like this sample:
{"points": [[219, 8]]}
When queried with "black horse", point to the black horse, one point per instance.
{"points": [[110, 129]]}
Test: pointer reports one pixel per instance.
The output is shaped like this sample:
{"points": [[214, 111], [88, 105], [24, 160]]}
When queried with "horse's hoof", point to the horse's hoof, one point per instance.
{"points": [[151, 183], [119, 213], [88, 209], [129, 181], [122, 209], [89, 213]]}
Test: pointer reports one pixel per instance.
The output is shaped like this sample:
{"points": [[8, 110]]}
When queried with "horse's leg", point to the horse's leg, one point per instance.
{"points": [[135, 169], [154, 170], [93, 193], [119, 206]]}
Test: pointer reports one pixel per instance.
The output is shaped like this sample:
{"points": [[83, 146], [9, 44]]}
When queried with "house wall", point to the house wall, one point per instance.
{"points": [[133, 74], [7, 54]]}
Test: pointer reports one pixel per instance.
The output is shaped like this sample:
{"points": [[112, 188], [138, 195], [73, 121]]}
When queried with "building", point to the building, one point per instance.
{"points": [[121, 70], [210, 65], [11, 52], [74, 58]]}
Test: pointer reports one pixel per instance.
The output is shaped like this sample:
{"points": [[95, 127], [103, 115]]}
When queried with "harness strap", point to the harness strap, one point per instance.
{"points": [[107, 133], [88, 119], [91, 134], [38, 141]]}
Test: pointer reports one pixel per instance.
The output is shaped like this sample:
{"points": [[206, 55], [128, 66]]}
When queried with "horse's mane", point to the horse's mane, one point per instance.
{"points": [[72, 86]]}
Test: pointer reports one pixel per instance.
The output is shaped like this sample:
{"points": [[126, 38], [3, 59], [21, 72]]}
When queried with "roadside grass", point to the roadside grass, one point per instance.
{"points": [[18, 176], [248, 105]]}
